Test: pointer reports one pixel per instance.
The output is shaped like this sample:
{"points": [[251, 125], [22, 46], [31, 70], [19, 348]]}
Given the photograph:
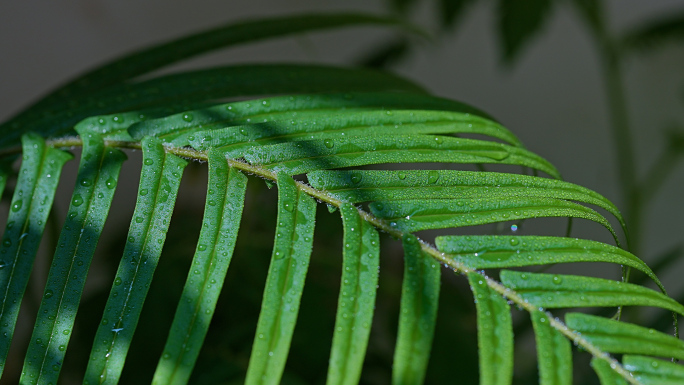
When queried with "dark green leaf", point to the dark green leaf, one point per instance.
{"points": [[518, 22], [606, 374], [561, 291], [619, 337], [356, 301], [97, 178], [159, 182], [554, 355], [222, 214], [284, 285], [494, 333], [417, 315], [452, 10], [488, 251], [34, 193], [669, 29], [651, 371]]}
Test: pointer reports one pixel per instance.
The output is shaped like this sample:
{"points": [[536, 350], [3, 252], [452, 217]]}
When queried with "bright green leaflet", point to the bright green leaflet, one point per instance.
{"points": [[176, 129], [495, 251], [334, 125], [554, 355], [651, 371], [305, 156], [34, 193], [380, 185], [194, 87], [97, 178], [417, 314], [606, 374], [416, 215], [152, 58], [284, 285], [159, 182], [560, 291], [356, 302], [222, 214], [620, 337], [494, 333]]}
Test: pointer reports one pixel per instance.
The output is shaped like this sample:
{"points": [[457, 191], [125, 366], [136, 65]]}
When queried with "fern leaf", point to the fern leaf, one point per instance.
{"points": [[39, 174], [417, 215], [223, 211], [494, 333], [417, 314], [650, 371], [97, 177], [490, 251], [334, 126], [553, 352], [560, 291], [606, 374], [159, 184], [189, 88], [284, 285], [381, 185], [175, 129], [300, 157], [620, 337], [356, 301]]}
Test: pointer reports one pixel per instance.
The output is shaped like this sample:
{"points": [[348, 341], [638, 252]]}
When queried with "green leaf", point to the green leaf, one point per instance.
{"points": [[452, 10], [222, 214], [490, 251], [518, 22], [606, 374], [177, 128], [356, 301], [34, 193], [494, 333], [655, 33], [417, 314], [651, 371], [554, 355], [619, 337], [335, 127], [97, 178], [284, 285], [416, 215], [159, 182], [561, 291], [193, 87], [304, 156], [379, 185], [155, 57]]}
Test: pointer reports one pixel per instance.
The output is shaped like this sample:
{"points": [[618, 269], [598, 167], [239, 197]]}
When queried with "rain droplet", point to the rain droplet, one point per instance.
{"points": [[77, 201], [16, 206], [433, 176], [48, 293], [111, 183], [356, 178], [329, 143], [187, 117], [117, 282], [143, 192], [149, 162], [402, 175], [514, 241]]}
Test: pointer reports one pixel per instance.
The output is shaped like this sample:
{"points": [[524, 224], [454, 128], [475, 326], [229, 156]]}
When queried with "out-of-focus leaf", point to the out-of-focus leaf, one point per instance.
{"points": [[518, 22], [669, 29]]}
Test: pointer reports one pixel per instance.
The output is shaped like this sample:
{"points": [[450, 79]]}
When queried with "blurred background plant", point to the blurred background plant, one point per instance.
{"points": [[598, 84]]}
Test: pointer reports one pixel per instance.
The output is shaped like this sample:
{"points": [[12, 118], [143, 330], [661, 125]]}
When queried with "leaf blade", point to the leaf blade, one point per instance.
{"points": [[38, 177], [356, 301], [223, 212], [284, 284], [554, 355], [92, 197], [418, 314], [494, 333], [159, 184]]}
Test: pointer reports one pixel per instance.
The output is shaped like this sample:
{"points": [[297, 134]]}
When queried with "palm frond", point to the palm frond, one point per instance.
{"points": [[325, 121]]}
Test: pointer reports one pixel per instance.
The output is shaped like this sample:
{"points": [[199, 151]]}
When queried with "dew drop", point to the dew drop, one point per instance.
{"points": [[187, 117], [402, 175], [149, 162], [356, 178], [329, 143], [514, 241], [86, 183], [201, 247], [557, 280], [77, 201], [143, 192], [117, 282], [111, 183], [16, 206], [48, 293], [433, 176]]}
